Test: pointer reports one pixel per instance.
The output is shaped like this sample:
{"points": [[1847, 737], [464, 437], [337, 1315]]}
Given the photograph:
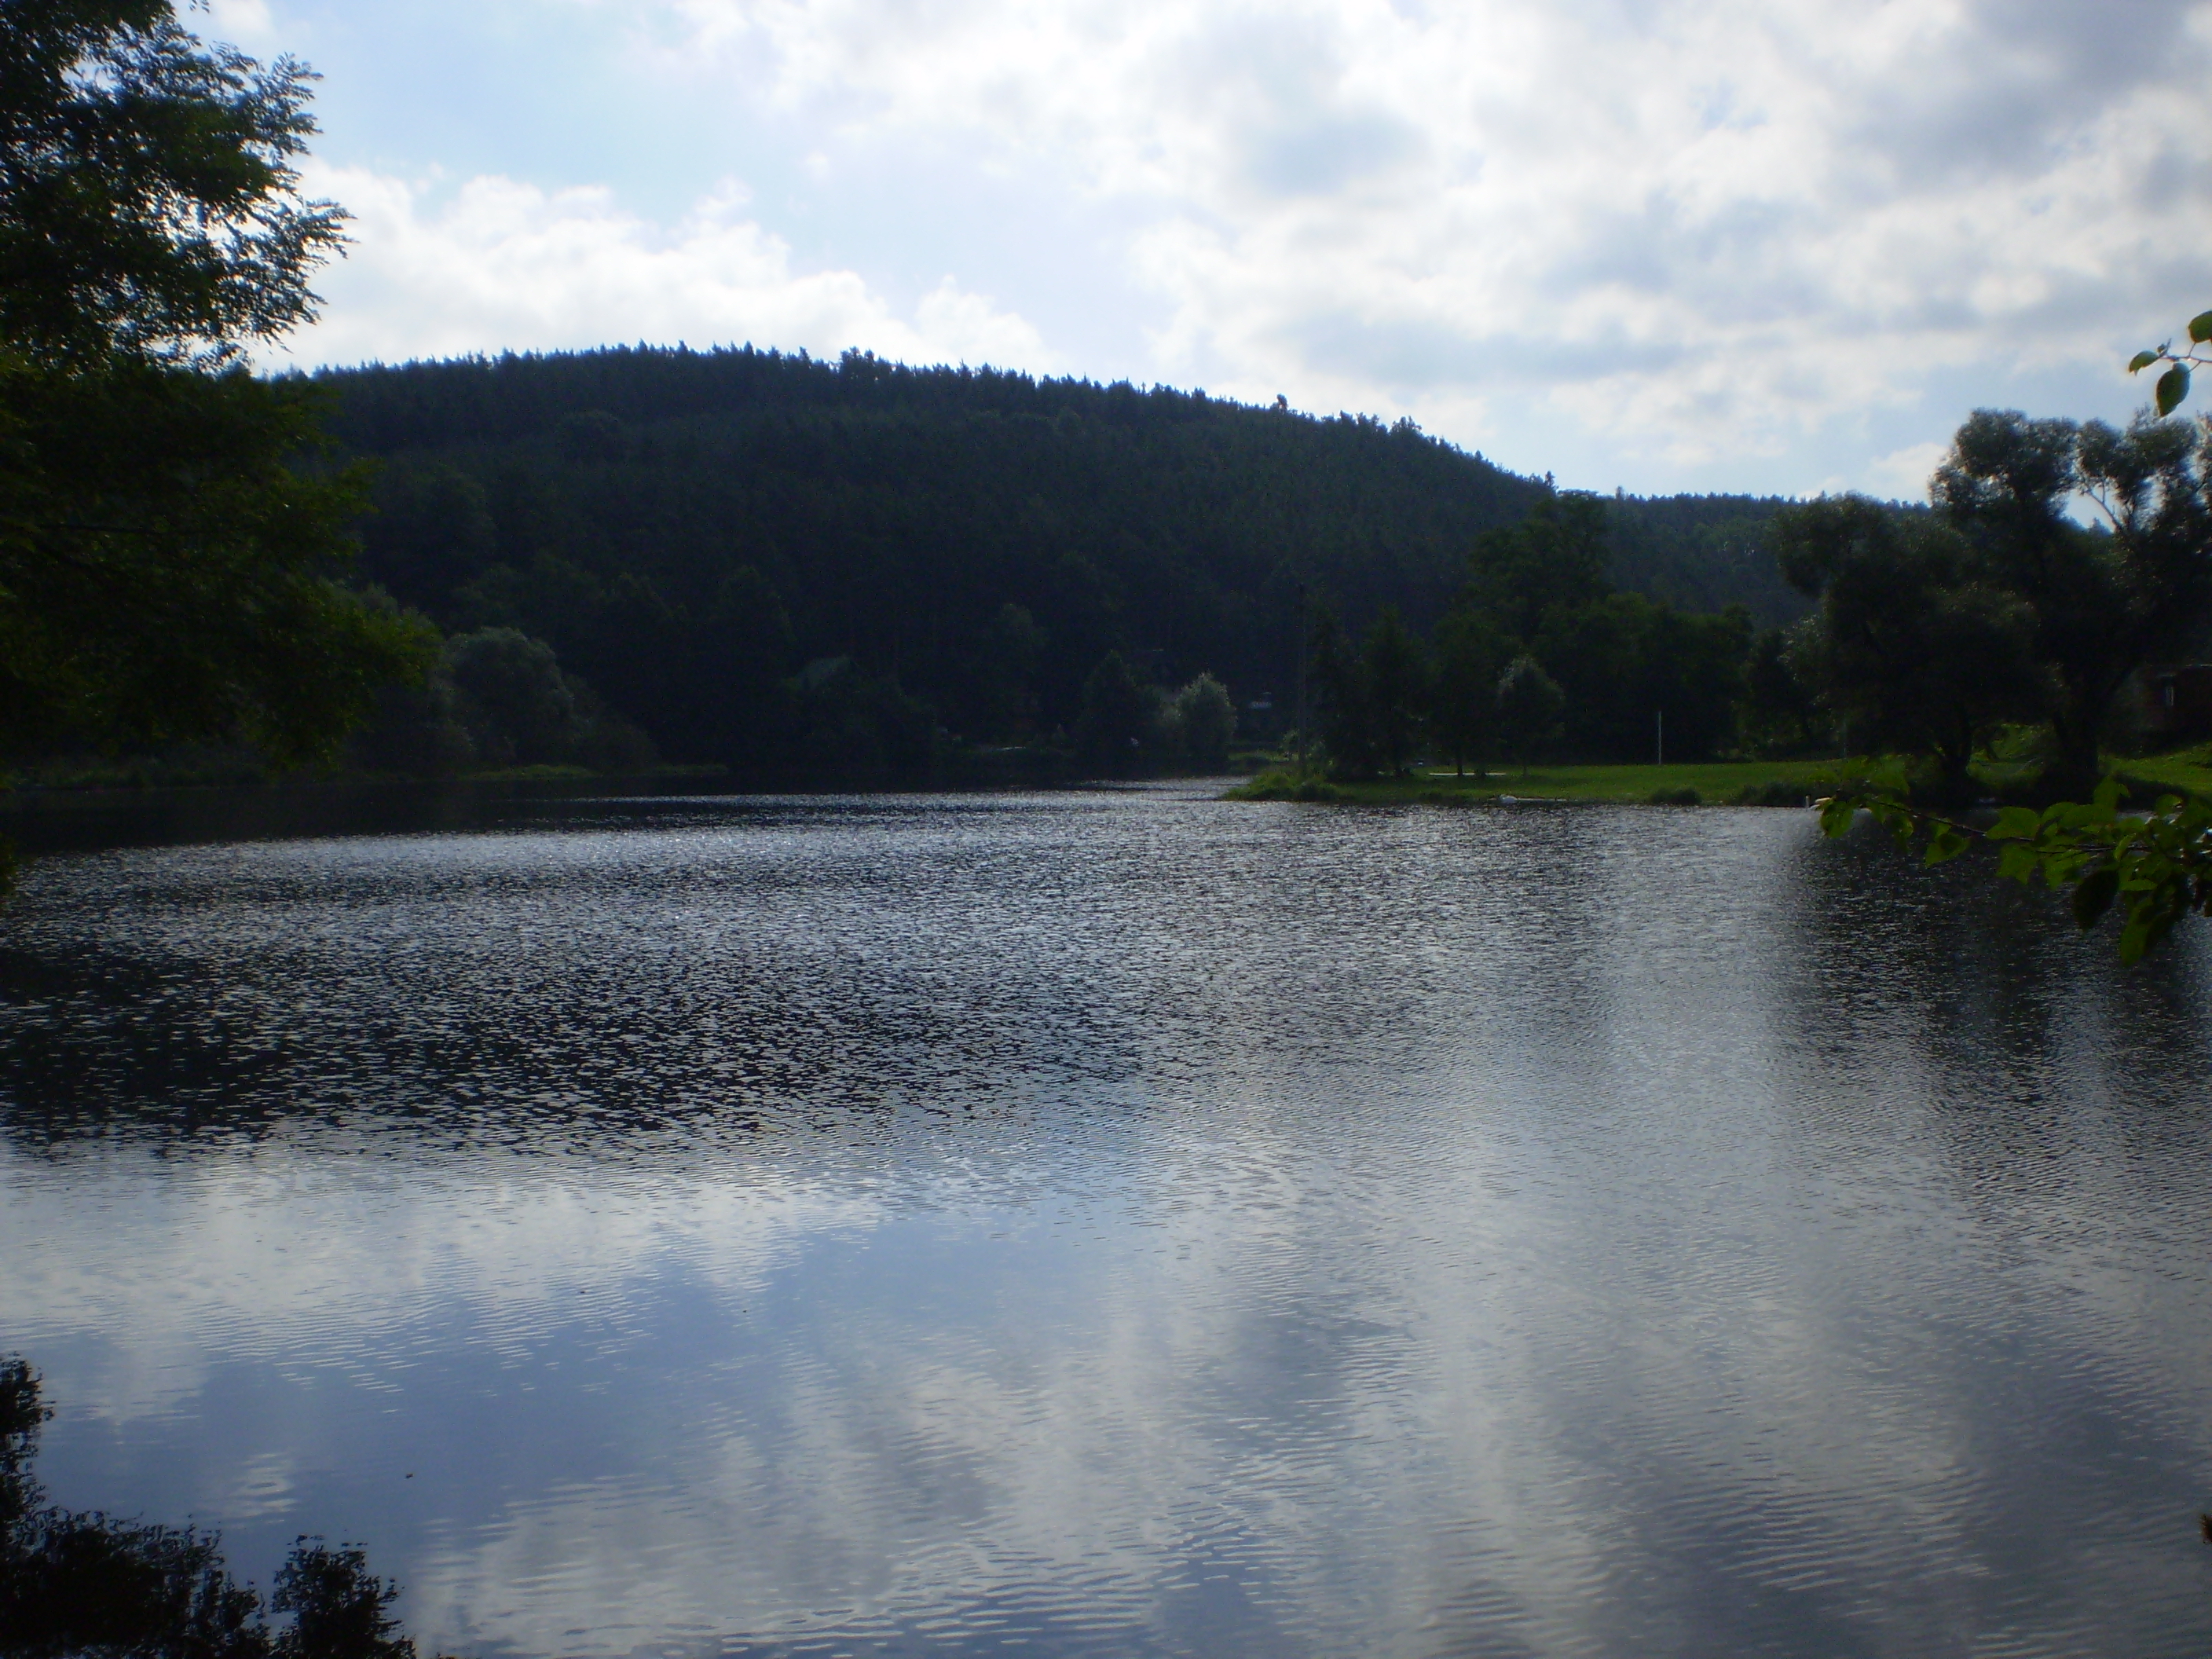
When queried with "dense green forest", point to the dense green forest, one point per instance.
{"points": [[797, 567]]}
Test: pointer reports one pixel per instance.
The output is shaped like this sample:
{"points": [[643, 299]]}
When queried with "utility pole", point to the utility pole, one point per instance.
{"points": [[1661, 740]]}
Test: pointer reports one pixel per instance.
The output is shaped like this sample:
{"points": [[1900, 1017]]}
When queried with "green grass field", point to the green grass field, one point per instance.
{"points": [[1715, 782], [2187, 770]]}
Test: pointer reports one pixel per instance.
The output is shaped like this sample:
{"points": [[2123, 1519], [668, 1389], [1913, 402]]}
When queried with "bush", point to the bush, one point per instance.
{"points": [[510, 694], [1285, 785], [1204, 720], [1775, 792], [1683, 797]]}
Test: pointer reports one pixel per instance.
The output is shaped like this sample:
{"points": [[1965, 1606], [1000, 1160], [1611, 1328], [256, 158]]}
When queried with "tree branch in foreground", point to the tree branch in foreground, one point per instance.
{"points": [[2155, 865]]}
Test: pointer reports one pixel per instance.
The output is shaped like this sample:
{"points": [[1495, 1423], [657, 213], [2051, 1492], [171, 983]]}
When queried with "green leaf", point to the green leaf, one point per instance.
{"points": [[2138, 936], [2108, 794], [2094, 895], [1945, 844], [2141, 361], [2200, 328], [2018, 862], [2016, 824], [1837, 814], [2172, 387]]}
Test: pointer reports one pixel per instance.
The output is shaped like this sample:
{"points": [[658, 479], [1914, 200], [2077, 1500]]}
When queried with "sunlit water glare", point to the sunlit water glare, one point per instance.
{"points": [[1125, 1224]]}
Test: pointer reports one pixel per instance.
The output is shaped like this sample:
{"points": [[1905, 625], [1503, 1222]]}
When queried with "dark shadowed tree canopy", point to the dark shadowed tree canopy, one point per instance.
{"points": [[1625, 664], [1472, 651], [1553, 560], [171, 544], [1781, 712], [1115, 719], [1911, 648], [1395, 671], [168, 565], [1999, 606], [2103, 600], [1529, 707]]}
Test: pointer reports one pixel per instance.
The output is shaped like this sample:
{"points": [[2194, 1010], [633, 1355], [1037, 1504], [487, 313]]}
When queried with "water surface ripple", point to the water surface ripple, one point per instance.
{"points": [[1125, 1224]]}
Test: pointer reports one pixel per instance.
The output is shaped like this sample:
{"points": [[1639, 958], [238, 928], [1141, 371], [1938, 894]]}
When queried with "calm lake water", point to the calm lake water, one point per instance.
{"points": [[1124, 1225]]}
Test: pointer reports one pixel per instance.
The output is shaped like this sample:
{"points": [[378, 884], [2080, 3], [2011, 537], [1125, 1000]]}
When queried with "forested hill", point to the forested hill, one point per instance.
{"points": [[688, 528], [1703, 553]]}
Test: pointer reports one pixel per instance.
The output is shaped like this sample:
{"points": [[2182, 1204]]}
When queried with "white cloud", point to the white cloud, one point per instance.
{"points": [[1903, 474], [243, 22], [1693, 231], [493, 263]]}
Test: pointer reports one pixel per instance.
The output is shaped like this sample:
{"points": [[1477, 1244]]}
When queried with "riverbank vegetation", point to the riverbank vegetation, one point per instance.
{"points": [[2085, 613], [2185, 772], [1993, 644], [859, 573], [1742, 783]]}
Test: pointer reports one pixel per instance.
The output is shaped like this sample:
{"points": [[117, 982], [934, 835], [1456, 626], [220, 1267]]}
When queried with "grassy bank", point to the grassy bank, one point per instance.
{"points": [[1774, 783], [1764, 783], [2187, 771]]}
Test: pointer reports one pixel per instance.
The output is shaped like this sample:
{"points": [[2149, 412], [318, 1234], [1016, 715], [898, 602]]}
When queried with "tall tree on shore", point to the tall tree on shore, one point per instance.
{"points": [[1471, 652], [1999, 604], [1910, 651], [2105, 600], [1529, 705], [1373, 698], [1396, 670], [2154, 866], [1109, 734], [1206, 718], [172, 549], [1344, 713]]}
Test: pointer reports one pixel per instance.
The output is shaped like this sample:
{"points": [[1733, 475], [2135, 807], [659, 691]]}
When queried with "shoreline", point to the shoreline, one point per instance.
{"points": [[1694, 783]]}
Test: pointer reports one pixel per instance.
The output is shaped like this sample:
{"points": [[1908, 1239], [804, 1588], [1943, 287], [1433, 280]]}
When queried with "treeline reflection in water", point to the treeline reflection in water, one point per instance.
{"points": [[1130, 1224]]}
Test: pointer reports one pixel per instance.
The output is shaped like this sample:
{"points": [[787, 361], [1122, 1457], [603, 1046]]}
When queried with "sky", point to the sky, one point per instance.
{"points": [[1777, 246]]}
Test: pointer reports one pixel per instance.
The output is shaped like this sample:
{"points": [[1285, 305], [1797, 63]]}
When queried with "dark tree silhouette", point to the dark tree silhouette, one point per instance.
{"points": [[168, 562], [73, 1583], [1529, 702]]}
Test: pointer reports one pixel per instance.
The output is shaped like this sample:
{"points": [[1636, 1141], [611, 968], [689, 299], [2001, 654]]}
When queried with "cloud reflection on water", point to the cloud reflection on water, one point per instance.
{"points": [[1411, 1233]]}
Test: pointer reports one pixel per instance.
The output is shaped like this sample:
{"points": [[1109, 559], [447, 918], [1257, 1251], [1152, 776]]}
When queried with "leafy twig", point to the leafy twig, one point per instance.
{"points": [[2157, 866], [2173, 385]]}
